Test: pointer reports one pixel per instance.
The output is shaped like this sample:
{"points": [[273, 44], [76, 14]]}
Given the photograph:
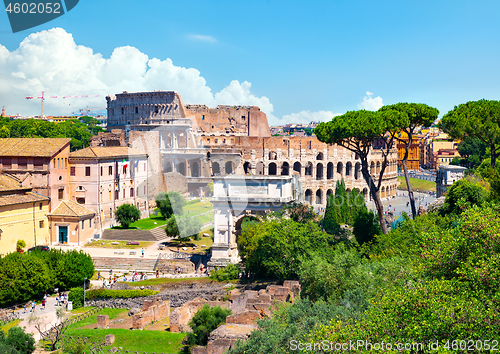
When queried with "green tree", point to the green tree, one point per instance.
{"points": [[298, 212], [170, 204], [182, 226], [72, 268], [18, 339], [472, 150], [356, 131], [462, 195], [478, 119], [22, 276], [126, 214], [366, 227], [4, 132], [204, 322], [418, 115]]}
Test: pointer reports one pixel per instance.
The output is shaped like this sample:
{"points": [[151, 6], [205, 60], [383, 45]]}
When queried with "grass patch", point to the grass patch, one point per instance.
{"points": [[112, 313], [419, 185], [149, 223], [121, 244], [198, 208], [81, 310], [189, 243], [158, 281], [141, 341], [9, 325]]}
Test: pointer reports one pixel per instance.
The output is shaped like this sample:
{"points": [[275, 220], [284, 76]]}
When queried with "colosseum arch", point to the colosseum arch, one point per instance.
{"points": [[329, 170], [319, 196], [319, 156], [297, 167], [357, 170], [348, 169], [309, 169], [377, 168], [382, 194], [340, 168], [168, 166], [259, 168], [247, 168], [272, 169], [328, 193], [365, 193], [229, 167], [308, 196], [372, 168], [195, 169], [215, 168], [319, 171], [285, 169], [181, 168]]}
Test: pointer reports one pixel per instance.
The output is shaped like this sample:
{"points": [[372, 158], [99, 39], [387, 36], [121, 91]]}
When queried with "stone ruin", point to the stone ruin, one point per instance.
{"points": [[246, 307], [152, 311]]}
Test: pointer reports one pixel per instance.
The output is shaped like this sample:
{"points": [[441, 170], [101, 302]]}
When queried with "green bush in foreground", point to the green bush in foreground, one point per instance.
{"points": [[115, 294], [205, 321], [22, 342], [229, 272], [76, 296]]}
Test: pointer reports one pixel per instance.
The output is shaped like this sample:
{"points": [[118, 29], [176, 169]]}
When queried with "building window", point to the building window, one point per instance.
{"points": [[136, 110], [124, 170], [110, 170], [83, 224], [22, 162], [117, 195], [37, 162], [131, 192], [41, 224], [87, 171], [123, 110], [7, 163], [40, 206], [60, 194], [101, 197], [144, 190], [80, 200], [216, 140], [90, 223], [54, 163], [72, 171], [101, 170], [123, 192]]}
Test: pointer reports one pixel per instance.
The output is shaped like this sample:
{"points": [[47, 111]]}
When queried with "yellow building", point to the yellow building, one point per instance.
{"points": [[413, 153], [71, 223], [23, 215]]}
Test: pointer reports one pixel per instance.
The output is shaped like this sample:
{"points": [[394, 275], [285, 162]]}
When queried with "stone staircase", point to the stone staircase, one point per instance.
{"points": [[128, 235], [154, 235], [159, 233], [124, 264]]}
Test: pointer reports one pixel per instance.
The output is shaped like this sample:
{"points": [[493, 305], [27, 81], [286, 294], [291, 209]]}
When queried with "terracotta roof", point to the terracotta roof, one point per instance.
{"points": [[10, 184], [28, 197], [102, 152], [71, 208], [32, 147]]}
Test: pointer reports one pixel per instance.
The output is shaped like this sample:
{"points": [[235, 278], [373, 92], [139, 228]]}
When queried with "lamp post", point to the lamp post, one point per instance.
{"points": [[84, 281]]}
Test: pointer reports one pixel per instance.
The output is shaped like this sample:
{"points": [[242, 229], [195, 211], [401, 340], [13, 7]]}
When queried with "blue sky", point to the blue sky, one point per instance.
{"points": [[301, 58]]}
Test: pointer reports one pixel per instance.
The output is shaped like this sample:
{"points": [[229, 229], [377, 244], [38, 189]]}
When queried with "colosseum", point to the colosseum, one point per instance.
{"points": [[199, 142]]}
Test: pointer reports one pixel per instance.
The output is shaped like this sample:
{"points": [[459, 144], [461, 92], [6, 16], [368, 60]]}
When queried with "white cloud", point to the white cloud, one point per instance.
{"points": [[305, 117], [51, 61], [370, 103], [202, 38]]}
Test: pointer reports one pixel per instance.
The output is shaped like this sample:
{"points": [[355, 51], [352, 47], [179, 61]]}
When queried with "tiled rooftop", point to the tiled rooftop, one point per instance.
{"points": [[107, 152], [32, 147], [71, 208]]}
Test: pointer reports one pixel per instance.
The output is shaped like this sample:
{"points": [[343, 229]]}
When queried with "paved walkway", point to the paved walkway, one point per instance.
{"points": [[48, 315]]}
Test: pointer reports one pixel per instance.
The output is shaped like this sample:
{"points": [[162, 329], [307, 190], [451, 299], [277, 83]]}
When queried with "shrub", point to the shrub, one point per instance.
{"points": [[122, 294], [76, 296], [182, 226], [72, 267], [366, 226], [205, 321], [20, 340], [229, 272], [170, 204], [126, 214], [20, 244], [22, 276], [462, 195]]}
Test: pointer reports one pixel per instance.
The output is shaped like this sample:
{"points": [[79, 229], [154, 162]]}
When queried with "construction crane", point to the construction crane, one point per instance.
{"points": [[43, 98], [87, 110]]}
